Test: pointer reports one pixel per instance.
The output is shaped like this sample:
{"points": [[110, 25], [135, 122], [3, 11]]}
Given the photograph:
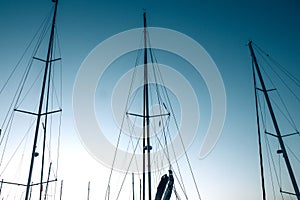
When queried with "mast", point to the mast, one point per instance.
{"points": [[146, 120], [39, 114], [61, 189], [273, 117], [259, 139], [47, 183], [132, 186], [88, 194]]}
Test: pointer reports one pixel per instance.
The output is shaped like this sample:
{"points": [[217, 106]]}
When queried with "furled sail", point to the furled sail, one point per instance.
{"points": [[162, 186], [169, 189]]}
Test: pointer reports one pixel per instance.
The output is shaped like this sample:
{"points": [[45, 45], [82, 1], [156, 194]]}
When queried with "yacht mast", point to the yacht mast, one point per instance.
{"points": [[273, 117], [146, 121], [39, 114]]}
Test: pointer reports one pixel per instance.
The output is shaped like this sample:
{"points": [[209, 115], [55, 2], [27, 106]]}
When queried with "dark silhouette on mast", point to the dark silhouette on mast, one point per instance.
{"points": [[275, 124], [40, 109], [259, 139], [146, 120]]}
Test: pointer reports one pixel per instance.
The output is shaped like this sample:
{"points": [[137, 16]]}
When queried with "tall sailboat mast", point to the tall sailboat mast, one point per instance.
{"points": [[276, 126], [43, 90], [146, 121]]}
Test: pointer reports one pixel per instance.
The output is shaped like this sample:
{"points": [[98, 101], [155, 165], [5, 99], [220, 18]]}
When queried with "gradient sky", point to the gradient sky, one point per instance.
{"points": [[223, 28]]}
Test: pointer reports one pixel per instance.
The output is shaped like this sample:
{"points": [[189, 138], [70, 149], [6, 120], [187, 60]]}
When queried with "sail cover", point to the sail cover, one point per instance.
{"points": [[161, 187], [168, 191]]}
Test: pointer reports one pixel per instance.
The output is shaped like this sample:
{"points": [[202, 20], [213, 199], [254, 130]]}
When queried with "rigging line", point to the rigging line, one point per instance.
{"points": [[128, 103], [288, 117], [52, 76], [22, 140], [280, 78], [287, 73], [30, 88], [24, 53], [29, 66], [181, 183], [179, 133], [118, 142], [296, 157], [128, 146], [58, 145], [24, 78], [15, 97], [165, 146], [7, 129], [187, 158], [57, 43], [137, 144], [162, 121], [22, 81], [290, 120], [156, 67], [139, 53], [262, 110], [132, 131], [165, 93], [123, 118], [279, 166], [176, 194], [280, 67], [128, 97], [46, 119], [274, 167], [259, 135], [163, 149], [271, 174]]}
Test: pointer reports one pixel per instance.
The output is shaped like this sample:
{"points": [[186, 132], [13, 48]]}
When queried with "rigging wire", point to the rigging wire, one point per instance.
{"points": [[120, 131], [296, 157], [166, 96], [286, 115], [18, 99], [271, 174], [181, 140], [280, 67], [23, 79], [162, 141], [280, 78], [46, 19], [290, 76]]}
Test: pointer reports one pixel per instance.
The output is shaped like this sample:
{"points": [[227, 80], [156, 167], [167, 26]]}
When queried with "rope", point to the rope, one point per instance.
{"points": [[296, 157], [280, 67], [259, 135], [271, 174], [294, 79], [123, 118], [47, 18]]}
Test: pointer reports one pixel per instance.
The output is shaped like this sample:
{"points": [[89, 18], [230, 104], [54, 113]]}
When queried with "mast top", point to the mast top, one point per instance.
{"points": [[145, 22]]}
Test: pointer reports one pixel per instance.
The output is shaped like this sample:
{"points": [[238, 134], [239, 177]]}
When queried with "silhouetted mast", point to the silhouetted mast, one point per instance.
{"points": [[146, 121], [273, 117], [61, 189], [40, 109], [133, 187], [259, 140], [88, 194]]}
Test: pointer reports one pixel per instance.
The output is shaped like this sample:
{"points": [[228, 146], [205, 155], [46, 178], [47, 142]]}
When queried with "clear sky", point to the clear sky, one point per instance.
{"points": [[223, 28]]}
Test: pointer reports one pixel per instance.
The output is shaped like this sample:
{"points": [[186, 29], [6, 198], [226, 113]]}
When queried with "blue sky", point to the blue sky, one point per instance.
{"points": [[223, 28]]}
